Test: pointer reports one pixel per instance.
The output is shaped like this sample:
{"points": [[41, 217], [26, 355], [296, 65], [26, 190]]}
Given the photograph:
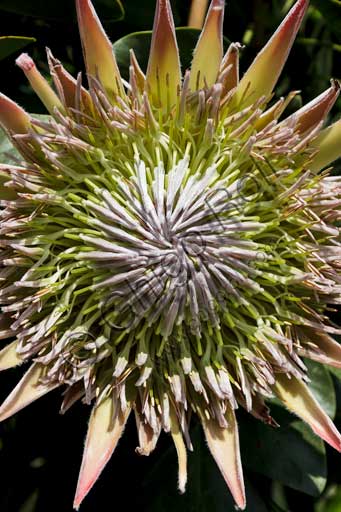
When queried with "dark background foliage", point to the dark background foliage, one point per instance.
{"points": [[286, 469]]}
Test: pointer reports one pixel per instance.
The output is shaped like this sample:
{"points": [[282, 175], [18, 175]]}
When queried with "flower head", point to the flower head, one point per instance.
{"points": [[169, 245]]}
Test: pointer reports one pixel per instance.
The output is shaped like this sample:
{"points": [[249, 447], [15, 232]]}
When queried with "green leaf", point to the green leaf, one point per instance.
{"points": [[335, 371], [61, 9], [291, 454], [7, 151], [11, 44], [8, 154], [321, 384], [206, 488]]}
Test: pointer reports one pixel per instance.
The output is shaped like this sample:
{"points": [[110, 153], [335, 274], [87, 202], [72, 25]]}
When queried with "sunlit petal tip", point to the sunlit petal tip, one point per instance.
{"points": [[328, 144], [275, 111], [27, 391], [197, 13], [208, 53], [265, 70], [140, 77], [312, 114], [98, 52], [65, 83], [262, 412], [106, 427], [164, 71], [296, 396], [224, 446], [135, 63], [181, 452], [147, 437], [9, 357], [231, 55], [38, 83], [230, 68], [12, 117]]}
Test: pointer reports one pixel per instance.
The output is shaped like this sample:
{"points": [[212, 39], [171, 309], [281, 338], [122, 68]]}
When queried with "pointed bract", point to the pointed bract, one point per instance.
{"points": [[181, 452], [164, 72], [105, 429], [13, 117], [197, 13], [9, 357], [208, 53], [65, 83], [139, 76], [328, 144], [231, 63], [273, 113], [260, 79], [98, 52], [296, 396], [147, 437], [224, 446], [38, 83], [27, 391], [312, 114]]}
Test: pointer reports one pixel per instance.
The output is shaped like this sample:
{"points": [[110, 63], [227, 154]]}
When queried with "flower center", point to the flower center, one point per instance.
{"points": [[177, 251]]}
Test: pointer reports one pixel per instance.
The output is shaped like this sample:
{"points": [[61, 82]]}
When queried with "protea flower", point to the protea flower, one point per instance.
{"points": [[169, 246]]}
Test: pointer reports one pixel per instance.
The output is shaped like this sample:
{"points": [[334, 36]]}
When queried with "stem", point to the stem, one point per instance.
{"points": [[198, 13]]}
